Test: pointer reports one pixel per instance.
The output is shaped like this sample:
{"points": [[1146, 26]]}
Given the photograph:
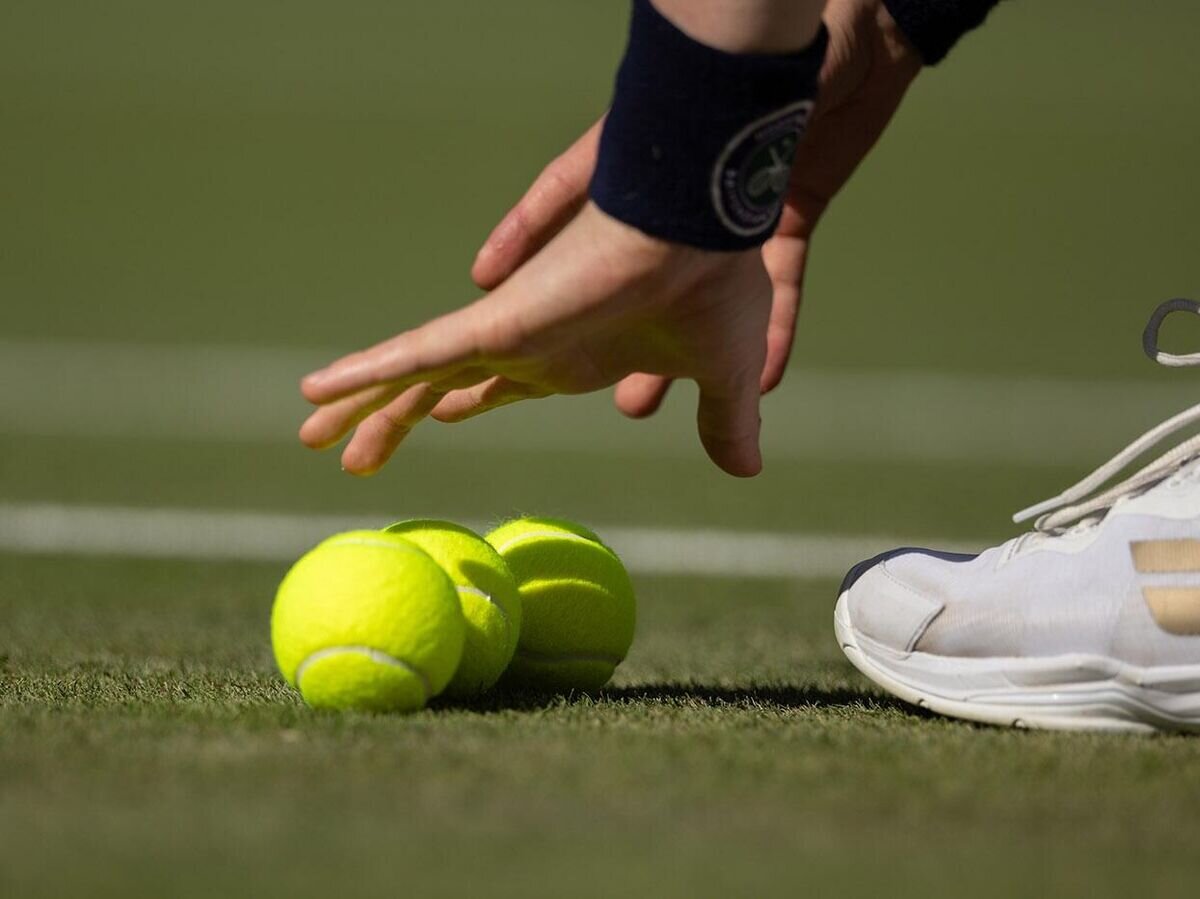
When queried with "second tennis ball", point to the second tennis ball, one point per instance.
{"points": [[487, 591], [577, 601]]}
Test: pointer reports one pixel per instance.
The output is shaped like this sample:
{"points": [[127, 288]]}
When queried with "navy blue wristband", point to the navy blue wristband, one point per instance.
{"points": [[699, 143], [934, 26]]}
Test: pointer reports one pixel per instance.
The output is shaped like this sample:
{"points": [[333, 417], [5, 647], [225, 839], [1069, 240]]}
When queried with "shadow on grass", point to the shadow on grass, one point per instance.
{"points": [[684, 695], [780, 697]]}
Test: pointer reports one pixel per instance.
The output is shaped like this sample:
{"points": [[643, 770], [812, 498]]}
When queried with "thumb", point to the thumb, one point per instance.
{"points": [[728, 421], [553, 200]]}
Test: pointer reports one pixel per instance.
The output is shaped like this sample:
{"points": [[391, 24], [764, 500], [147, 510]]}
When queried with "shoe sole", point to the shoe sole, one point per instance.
{"points": [[1061, 693]]}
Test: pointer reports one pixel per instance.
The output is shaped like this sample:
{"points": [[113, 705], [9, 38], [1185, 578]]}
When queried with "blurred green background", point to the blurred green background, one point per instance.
{"points": [[311, 178], [200, 202]]}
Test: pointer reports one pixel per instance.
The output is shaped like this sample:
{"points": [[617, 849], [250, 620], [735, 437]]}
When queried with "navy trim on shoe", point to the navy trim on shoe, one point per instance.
{"points": [[1150, 335], [863, 567]]}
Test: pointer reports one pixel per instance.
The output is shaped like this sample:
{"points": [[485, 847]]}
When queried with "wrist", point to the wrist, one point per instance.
{"points": [[652, 269]]}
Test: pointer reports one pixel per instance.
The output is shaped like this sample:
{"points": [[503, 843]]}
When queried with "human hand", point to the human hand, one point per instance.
{"points": [[599, 303], [580, 301], [868, 67]]}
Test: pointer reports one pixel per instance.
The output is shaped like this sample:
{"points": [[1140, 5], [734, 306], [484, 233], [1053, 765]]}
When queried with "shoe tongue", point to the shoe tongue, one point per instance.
{"points": [[1187, 470]]}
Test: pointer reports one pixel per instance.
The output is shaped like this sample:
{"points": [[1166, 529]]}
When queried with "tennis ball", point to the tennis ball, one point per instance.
{"points": [[487, 591], [367, 620], [578, 607]]}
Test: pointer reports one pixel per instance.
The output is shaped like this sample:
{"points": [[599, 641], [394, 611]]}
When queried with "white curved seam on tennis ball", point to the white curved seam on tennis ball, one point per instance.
{"points": [[551, 658], [374, 655], [475, 591], [563, 535], [380, 544], [540, 582], [597, 591]]}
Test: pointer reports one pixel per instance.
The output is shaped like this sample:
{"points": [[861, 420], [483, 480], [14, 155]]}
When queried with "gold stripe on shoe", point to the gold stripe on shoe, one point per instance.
{"points": [[1175, 609], [1165, 556]]}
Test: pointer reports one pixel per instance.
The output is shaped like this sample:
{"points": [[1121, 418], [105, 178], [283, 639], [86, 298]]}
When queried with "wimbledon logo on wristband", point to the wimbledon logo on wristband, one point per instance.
{"points": [[751, 176]]}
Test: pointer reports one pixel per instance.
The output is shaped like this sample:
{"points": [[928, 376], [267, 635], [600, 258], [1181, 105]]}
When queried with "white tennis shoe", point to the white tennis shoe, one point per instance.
{"points": [[1090, 621]]}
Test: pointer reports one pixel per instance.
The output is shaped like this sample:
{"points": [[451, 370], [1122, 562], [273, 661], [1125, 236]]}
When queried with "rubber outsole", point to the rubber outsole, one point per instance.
{"points": [[1111, 699]]}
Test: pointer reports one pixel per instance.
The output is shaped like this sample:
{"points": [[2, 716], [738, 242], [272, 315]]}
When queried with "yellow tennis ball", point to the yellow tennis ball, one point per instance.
{"points": [[367, 620], [577, 602], [487, 591]]}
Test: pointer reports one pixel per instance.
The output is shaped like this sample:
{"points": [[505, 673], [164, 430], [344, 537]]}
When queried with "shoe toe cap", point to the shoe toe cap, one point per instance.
{"points": [[882, 603]]}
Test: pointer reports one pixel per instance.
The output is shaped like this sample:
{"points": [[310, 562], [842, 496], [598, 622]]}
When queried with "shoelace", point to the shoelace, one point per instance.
{"points": [[1077, 504]]}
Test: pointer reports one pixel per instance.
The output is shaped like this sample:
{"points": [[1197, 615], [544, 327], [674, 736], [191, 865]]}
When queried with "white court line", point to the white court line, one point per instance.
{"points": [[282, 537], [249, 394]]}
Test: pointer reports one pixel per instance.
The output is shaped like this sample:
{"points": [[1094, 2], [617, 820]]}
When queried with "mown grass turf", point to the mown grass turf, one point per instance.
{"points": [[148, 747]]}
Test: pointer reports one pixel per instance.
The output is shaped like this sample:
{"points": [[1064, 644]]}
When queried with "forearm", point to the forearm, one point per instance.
{"points": [[747, 26]]}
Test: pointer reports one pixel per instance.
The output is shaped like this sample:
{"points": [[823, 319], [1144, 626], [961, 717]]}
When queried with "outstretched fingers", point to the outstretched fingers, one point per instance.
{"points": [[728, 421], [639, 395], [459, 405], [383, 431], [433, 352], [330, 423]]}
